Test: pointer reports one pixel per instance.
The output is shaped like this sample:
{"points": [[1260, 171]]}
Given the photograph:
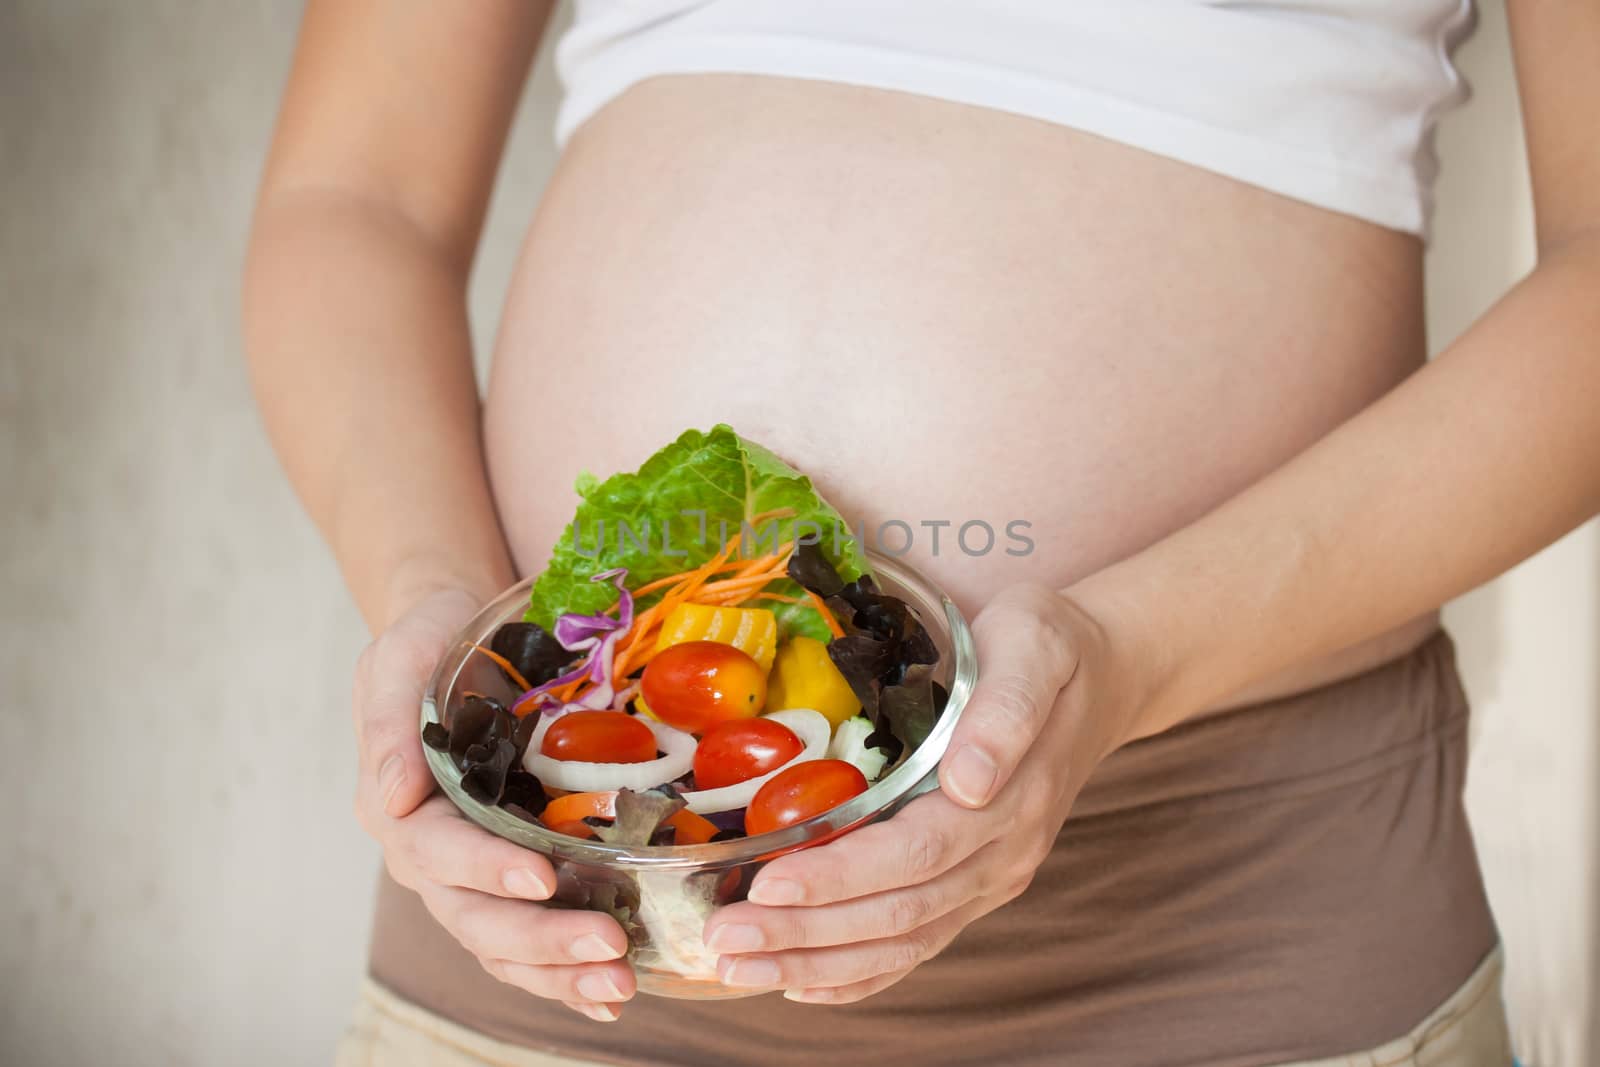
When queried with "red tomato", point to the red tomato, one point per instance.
{"points": [[599, 737], [698, 684], [804, 790], [740, 749]]}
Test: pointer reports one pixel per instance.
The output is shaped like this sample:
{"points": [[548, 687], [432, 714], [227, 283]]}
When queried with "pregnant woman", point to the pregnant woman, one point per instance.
{"points": [[1143, 275]]}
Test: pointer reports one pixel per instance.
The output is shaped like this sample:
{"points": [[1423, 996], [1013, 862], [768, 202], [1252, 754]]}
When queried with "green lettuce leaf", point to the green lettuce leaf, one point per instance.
{"points": [[677, 511]]}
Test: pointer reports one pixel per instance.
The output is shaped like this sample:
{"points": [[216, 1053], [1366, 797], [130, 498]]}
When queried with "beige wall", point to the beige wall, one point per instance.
{"points": [[184, 885], [1530, 642]]}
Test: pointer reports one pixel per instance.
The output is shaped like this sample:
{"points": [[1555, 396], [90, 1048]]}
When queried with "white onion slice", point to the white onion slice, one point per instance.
{"points": [[678, 757], [813, 729]]}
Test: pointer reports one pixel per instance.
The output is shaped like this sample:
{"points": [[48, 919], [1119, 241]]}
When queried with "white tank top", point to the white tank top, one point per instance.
{"points": [[1332, 102]]}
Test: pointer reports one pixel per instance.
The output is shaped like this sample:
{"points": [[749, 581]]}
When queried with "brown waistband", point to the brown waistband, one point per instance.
{"points": [[1321, 738], [1285, 881]]}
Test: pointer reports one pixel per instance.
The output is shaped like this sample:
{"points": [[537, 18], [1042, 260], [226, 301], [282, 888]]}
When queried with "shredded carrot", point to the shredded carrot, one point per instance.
{"points": [[716, 565], [680, 588], [642, 637], [728, 596], [505, 665], [761, 563], [827, 616], [647, 621], [761, 577], [736, 581], [660, 583], [677, 579], [775, 513]]}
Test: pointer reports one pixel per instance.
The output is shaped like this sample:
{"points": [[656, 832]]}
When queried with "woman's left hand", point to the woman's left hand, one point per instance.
{"points": [[845, 920]]}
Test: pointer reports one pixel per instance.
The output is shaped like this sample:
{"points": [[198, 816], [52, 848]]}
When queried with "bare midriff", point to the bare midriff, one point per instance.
{"points": [[942, 314]]}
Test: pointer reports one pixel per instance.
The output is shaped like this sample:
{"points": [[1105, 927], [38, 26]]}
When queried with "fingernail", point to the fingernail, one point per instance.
{"points": [[735, 938], [592, 948], [391, 776], [972, 775], [600, 1013], [776, 891], [807, 996], [599, 987], [749, 972], [522, 882]]}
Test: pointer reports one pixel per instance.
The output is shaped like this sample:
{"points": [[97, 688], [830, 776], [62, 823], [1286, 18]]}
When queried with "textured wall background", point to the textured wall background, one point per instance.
{"points": [[183, 884], [1529, 643]]}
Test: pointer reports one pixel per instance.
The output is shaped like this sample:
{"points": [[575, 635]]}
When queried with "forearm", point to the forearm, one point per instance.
{"points": [[1476, 461], [360, 352]]}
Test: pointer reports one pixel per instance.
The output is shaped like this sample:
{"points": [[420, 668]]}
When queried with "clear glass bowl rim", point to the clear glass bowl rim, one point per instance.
{"points": [[915, 774]]}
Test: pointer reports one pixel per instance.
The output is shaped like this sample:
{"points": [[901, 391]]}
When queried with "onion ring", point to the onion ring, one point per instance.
{"points": [[676, 761], [813, 729]]}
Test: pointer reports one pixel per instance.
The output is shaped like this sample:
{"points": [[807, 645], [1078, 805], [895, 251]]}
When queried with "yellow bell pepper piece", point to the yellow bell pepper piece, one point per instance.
{"points": [[804, 677], [753, 631]]}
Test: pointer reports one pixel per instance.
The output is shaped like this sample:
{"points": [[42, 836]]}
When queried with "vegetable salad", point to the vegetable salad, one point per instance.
{"points": [[745, 677]]}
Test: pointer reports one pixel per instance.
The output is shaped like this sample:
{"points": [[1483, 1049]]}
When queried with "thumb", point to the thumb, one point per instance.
{"points": [[394, 772], [1025, 658], [390, 681]]}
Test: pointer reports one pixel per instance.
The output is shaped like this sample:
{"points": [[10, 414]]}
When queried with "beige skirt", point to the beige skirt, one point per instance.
{"points": [[1467, 1030]]}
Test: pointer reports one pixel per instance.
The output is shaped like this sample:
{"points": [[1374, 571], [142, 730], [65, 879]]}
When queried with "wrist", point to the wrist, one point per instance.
{"points": [[1136, 665], [420, 576]]}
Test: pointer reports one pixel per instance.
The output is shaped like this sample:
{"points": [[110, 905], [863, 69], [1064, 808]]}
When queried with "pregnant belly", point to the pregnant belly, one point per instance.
{"points": [[946, 316]]}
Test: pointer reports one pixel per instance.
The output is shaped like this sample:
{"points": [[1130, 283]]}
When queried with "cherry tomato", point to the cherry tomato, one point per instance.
{"points": [[804, 790], [740, 749], [695, 685], [599, 737]]}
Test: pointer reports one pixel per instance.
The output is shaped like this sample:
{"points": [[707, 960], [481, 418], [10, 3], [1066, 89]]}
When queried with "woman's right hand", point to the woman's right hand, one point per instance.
{"points": [[481, 888]]}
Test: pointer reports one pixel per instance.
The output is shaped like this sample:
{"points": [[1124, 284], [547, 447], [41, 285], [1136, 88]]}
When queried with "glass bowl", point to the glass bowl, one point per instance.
{"points": [[663, 895]]}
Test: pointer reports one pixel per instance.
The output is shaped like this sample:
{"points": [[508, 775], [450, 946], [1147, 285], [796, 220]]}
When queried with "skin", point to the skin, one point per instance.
{"points": [[1332, 492]]}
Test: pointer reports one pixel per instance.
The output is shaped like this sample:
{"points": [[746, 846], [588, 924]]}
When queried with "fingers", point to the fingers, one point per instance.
{"points": [[1025, 657], [478, 886], [843, 965], [600, 1013], [571, 956], [744, 927], [436, 844], [927, 838], [574, 956], [573, 986], [845, 994]]}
